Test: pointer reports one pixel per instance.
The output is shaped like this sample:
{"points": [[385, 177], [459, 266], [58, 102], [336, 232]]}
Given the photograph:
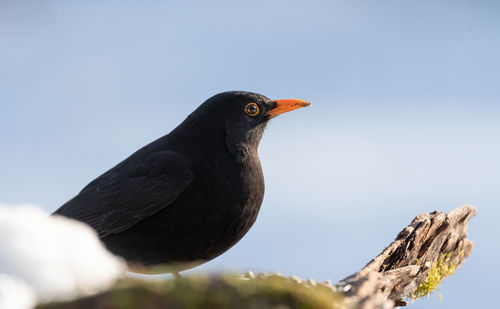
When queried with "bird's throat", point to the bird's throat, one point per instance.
{"points": [[243, 146]]}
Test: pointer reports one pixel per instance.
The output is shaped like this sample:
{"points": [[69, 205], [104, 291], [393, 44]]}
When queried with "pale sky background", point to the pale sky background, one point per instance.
{"points": [[405, 116]]}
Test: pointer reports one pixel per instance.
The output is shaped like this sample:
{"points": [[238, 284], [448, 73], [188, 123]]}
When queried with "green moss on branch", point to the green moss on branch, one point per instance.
{"points": [[441, 269], [273, 292]]}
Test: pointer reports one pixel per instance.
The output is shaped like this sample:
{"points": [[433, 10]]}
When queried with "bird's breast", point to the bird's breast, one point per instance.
{"points": [[230, 184], [233, 192]]}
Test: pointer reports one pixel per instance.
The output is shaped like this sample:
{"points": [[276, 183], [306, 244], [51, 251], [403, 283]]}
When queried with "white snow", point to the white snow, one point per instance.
{"points": [[15, 293], [44, 258]]}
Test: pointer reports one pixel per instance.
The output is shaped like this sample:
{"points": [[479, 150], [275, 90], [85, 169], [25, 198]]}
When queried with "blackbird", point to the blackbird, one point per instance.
{"points": [[190, 195]]}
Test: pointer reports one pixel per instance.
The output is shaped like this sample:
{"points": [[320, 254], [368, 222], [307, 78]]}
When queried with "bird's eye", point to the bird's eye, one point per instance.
{"points": [[252, 109]]}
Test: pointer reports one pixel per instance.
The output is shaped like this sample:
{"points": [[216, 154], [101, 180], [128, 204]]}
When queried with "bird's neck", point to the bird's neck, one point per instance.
{"points": [[243, 147]]}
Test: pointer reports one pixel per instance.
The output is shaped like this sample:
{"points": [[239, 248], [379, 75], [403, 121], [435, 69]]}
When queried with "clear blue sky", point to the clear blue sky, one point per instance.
{"points": [[405, 116]]}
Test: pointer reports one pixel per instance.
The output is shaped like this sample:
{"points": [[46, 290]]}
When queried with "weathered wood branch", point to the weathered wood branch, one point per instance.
{"points": [[432, 246], [405, 264]]}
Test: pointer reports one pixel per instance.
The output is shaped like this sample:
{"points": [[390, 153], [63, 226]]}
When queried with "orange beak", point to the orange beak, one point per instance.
{"points": [[286, 105]]}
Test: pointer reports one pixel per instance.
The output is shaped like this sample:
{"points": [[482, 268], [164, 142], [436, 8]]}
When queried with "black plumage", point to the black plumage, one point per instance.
{"points": [[190, 195]]}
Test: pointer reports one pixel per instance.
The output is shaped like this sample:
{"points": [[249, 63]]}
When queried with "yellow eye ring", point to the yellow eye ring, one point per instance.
{"points": [[252, 109]]}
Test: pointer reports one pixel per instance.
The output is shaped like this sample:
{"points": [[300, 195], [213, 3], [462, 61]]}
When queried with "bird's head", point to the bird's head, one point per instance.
{"points": [[241, 117]]}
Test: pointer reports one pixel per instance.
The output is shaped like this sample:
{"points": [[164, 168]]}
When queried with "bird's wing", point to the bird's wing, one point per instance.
{"points": [[130, 192]]}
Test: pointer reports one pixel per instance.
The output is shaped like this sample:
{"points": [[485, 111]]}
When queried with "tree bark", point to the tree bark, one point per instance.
{"points": [[405, 263]]}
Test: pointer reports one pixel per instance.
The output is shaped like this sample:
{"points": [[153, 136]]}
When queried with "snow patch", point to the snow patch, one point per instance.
{"points": [[45, 258]]}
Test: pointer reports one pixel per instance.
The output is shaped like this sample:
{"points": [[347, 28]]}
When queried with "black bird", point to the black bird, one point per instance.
{"points": [[190, 195]]}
